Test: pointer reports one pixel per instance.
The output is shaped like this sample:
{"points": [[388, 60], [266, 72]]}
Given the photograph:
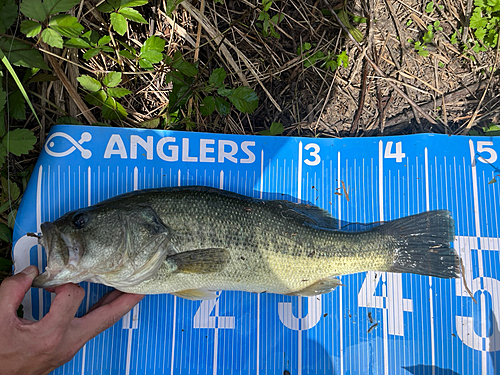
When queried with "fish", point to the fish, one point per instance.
{"points": [[194, 241]]}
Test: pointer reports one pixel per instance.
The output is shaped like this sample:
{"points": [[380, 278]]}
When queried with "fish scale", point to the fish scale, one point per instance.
{"points": [[192, 241]]}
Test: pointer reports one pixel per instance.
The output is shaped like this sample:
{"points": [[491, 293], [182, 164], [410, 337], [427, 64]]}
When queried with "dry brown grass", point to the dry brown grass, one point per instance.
{"points": [[401, 95]]}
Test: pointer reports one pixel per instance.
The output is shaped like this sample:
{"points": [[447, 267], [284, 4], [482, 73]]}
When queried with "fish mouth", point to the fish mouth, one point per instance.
{"points": [[46, 279], [57, 271]]}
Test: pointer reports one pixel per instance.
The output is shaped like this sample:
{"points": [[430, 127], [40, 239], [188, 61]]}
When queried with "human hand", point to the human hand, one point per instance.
{"points": [[30, 348]]}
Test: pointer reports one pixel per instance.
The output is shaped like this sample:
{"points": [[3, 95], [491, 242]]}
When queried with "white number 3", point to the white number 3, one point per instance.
{"points": [[313, 153]]}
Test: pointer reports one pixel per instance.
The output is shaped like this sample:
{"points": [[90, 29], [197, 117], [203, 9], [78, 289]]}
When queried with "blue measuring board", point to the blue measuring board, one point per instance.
{"points": [[378, 323]]}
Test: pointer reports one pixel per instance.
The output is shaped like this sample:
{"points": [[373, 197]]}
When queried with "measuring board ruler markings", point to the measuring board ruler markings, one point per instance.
{"points": [[379, 323]]}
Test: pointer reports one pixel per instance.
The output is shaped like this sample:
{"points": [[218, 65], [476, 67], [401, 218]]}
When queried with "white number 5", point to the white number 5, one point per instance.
{"points": [[481, 148]]}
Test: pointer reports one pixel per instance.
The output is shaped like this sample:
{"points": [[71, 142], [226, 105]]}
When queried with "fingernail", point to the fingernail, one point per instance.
{"points": [[30, 270]]}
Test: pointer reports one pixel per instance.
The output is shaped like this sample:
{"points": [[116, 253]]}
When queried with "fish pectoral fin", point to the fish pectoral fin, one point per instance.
{"points": [[200, 261], [322, 286], [196, 294]]}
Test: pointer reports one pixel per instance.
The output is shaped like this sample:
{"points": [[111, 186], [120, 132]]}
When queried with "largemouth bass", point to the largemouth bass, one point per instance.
{"points": [[192, 241]]}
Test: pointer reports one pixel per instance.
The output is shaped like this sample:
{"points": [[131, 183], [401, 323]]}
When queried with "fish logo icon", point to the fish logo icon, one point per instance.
{"points": [[85, 137]]}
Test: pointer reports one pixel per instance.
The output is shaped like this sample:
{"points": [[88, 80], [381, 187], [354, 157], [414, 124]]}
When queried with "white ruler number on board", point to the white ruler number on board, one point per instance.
{"points": [[392, 291], [485, 341], [309, 155]]}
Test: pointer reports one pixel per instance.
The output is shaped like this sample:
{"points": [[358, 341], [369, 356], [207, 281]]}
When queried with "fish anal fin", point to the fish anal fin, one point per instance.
{"points": [[196, 294], [322, 286], [199, 261]]}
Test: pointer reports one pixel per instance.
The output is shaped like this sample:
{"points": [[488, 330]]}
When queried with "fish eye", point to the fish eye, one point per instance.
{"points": [[80, 220]]}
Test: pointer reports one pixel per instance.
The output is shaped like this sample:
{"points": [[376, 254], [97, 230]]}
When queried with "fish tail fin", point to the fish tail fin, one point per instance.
{"points": [[422, 244]]}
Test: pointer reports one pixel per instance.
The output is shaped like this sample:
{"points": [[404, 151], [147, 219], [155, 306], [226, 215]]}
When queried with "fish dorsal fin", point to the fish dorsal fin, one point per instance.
{"points": [[199, 261], [195, 294], [304, 214], [322, 286]]}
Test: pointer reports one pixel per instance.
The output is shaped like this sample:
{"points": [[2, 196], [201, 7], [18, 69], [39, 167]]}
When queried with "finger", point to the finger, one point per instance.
{"points": [[105, 316], [13, 289], [107, 298], [64, 306]]}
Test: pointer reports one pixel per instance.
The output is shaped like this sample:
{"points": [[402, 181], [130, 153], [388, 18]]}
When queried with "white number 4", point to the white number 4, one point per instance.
{"points": [[391, 300], [398, 155]]}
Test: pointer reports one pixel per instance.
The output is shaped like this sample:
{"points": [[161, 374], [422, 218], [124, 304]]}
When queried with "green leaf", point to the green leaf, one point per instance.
{"points": [[244, 99], [112, 110], [492, 130], [358, 19], [266, 4], [3, 151], [19, 141], [107, 49], [92, 37], [119, 23], [222, 91], [111, 79], [52, 38], [129, 48], [17, 107], [9, 12], [343, 59], [33, 9], [89, 83], [132, 3], [132, 15], [171, 5], [5, 235], [151, 124], [96, 98], [67, 120], [105, 8], [223, 107], [59, 6], [278, 18], [207, 106], [153, 43], [3, 100], [145, 64], [118, 92], [428, 37], [183, 66], [477, 20], [91, 53], [304, 47], [19, 85], [10, 189], [11, 218], [217, 77], [276, 129], [128, 55], [76, 43], [104, 40], [181, 91], [66, 25], [429, 8], [480, 33], [153, 57], [263, 16]]}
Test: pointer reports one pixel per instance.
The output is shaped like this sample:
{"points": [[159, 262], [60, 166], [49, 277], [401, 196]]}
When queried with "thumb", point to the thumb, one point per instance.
{"points": [[13, 289]]}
